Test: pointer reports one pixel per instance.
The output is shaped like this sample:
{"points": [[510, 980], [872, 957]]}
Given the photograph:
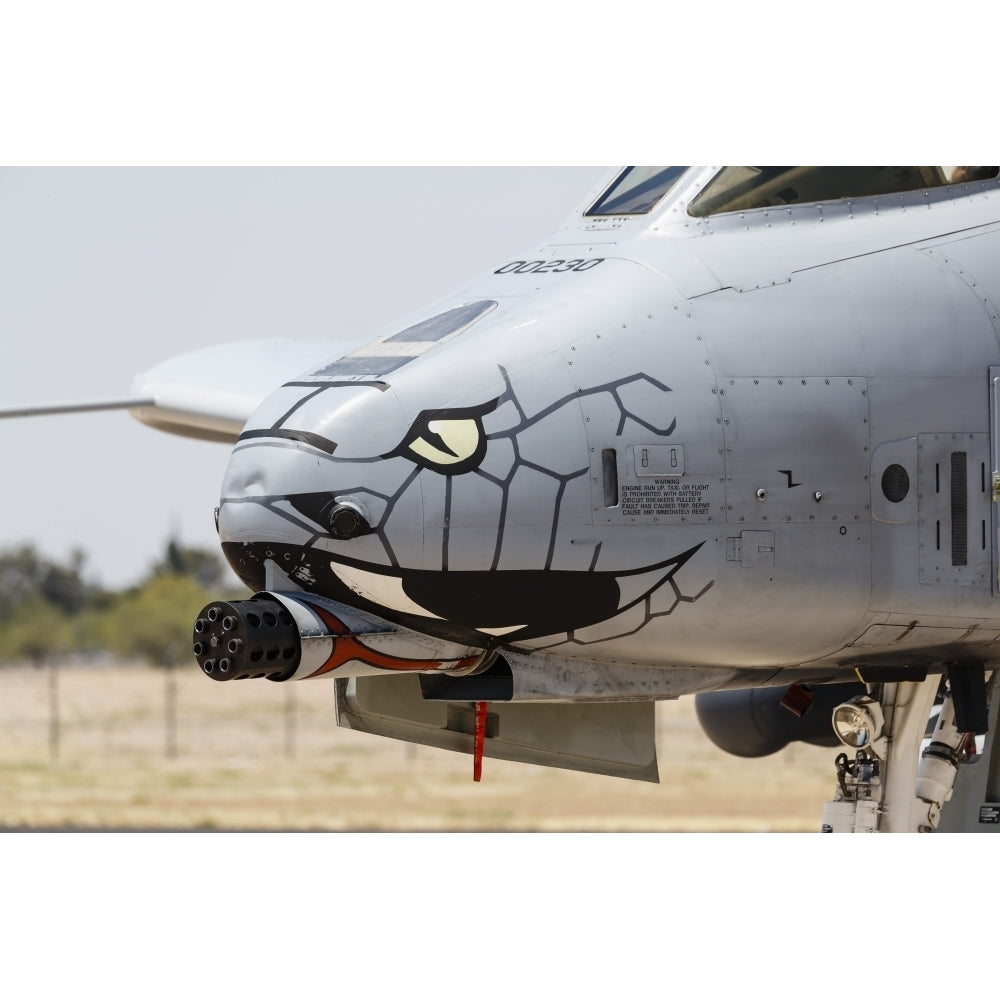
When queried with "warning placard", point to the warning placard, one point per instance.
{"points": [[665, 498]]}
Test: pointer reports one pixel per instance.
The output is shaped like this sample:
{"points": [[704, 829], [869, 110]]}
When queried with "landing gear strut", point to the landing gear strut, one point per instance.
{"points": [[890, 785]]}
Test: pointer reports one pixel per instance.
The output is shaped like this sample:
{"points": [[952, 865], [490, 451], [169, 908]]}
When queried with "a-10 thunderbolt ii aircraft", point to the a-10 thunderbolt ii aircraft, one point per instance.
{"points": [[730, 432]]}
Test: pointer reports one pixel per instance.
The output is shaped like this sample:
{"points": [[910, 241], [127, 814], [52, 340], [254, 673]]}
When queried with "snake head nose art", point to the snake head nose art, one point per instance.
{"points": [[459, 496]]}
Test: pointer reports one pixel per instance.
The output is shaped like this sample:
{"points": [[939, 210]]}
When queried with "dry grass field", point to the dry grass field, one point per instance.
{"points": [[262, 756]]}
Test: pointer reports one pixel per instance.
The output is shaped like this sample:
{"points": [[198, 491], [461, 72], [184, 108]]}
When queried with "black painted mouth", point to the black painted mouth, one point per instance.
{"points": [[516, 604]]}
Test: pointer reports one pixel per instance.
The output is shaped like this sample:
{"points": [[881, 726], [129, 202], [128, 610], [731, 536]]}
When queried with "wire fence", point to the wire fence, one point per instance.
{"points": [[68, 712], [110, 745]]}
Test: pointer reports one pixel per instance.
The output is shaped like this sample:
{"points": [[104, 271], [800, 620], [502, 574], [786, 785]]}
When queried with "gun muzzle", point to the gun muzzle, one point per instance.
{"points": [[240, 639]]}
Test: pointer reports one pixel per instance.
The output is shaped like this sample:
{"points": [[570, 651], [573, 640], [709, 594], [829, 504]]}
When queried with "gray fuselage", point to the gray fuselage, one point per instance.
{"points": [[754, 440]]}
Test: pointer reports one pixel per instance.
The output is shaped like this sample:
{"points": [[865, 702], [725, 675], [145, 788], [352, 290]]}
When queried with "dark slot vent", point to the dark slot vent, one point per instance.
{"points": [[959, 510], [609, 463]]}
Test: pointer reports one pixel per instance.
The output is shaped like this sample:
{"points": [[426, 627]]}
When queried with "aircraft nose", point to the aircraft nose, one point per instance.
{"points": [[301, 459], [250, 489], [246, 480], [276, 493], [310, 481]]}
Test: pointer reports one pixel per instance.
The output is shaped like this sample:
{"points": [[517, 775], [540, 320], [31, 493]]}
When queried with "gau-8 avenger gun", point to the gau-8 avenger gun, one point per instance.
{"points": [[731, 432]]}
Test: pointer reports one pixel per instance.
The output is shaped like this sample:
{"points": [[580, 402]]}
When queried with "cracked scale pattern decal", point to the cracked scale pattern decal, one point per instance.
{"points": [[470, 473]]}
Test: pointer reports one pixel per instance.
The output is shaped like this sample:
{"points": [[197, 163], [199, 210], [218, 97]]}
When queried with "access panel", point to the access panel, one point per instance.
{"points": [[953, 485], [796, 449]]}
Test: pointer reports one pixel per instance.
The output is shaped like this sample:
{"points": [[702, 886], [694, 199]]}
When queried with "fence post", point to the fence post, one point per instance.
{"points": [[290, 719], [54, 721], [170, 711]]}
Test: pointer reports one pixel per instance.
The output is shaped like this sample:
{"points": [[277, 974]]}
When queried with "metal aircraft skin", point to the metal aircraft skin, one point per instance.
{"points": [[727, 428], [660, 439]]}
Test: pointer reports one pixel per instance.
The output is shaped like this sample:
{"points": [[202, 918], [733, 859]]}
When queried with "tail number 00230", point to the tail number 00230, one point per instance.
{"points": [[548, 267]]}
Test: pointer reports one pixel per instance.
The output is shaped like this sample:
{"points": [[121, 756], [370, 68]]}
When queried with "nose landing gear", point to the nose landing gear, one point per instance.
{"points": [[891, 784]]}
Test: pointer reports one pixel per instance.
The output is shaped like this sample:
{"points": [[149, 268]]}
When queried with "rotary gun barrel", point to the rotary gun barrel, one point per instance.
{"points": [[282, 636], [240, 639]]}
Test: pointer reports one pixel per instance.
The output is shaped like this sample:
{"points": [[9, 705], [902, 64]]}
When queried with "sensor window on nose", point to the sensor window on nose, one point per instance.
{"points": [[658, 460], [455, 320]]}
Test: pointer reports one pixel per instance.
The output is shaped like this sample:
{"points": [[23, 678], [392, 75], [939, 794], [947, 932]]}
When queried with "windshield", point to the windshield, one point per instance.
{"points": [[739, 189], [636, 190]]}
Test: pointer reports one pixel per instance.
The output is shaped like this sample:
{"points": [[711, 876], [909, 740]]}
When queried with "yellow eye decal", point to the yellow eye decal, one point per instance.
{"points": [[447, 441]]}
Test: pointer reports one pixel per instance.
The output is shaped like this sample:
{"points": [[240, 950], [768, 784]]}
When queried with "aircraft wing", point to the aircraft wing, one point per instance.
{"points": [[211, 392]]}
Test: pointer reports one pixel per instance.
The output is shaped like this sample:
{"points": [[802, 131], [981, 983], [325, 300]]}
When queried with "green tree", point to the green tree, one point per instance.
{"points": [[47, 609], [203, 565], [38, 633], [27, 577], [155, 621]]}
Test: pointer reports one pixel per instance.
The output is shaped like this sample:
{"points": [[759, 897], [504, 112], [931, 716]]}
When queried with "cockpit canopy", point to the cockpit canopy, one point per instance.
{"points": [[636, 190], [738, 189]]}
